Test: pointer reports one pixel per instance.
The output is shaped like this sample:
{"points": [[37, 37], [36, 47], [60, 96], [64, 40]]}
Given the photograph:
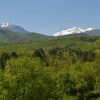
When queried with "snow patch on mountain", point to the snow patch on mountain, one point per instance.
{"points": [[5, 24], [72, 30], [89, 29]]}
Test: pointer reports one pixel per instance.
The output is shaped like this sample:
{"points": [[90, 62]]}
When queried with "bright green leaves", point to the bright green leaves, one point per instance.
{"points": [[26, 79]]}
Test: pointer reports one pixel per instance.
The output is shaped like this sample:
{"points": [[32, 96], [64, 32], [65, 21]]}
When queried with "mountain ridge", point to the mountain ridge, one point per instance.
{"points": [[73, 30], [12, 27], [10, 36]]}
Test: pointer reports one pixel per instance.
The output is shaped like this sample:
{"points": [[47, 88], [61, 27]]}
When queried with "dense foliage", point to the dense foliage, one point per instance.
{"points": [[64, 68]]}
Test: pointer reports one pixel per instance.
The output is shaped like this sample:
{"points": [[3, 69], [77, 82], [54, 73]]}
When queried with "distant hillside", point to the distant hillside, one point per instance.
{"points": [[95, 32], [10, 36]]}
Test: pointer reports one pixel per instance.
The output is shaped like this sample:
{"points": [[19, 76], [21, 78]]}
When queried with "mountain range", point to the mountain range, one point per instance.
{"points": [[15, 33], [78, 31]]}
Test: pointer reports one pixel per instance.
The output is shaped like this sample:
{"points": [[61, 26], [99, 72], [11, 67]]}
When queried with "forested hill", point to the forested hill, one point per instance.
{"points": [[10, 36]]}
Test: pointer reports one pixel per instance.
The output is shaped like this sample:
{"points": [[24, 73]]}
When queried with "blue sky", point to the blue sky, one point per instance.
{"points": [[50, 16]]}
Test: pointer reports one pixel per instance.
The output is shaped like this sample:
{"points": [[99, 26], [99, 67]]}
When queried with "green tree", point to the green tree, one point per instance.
{"points": [[56, 50], [40, 53], [27, 79], [14, 54], [3, 59]]}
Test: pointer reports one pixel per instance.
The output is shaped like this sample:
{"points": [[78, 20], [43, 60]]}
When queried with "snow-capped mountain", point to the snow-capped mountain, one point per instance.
{"points": [[12, 27], [73, 30]]}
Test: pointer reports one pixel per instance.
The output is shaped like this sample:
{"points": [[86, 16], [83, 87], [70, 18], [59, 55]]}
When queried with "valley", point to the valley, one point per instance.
{"points": [[62, 67]]}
